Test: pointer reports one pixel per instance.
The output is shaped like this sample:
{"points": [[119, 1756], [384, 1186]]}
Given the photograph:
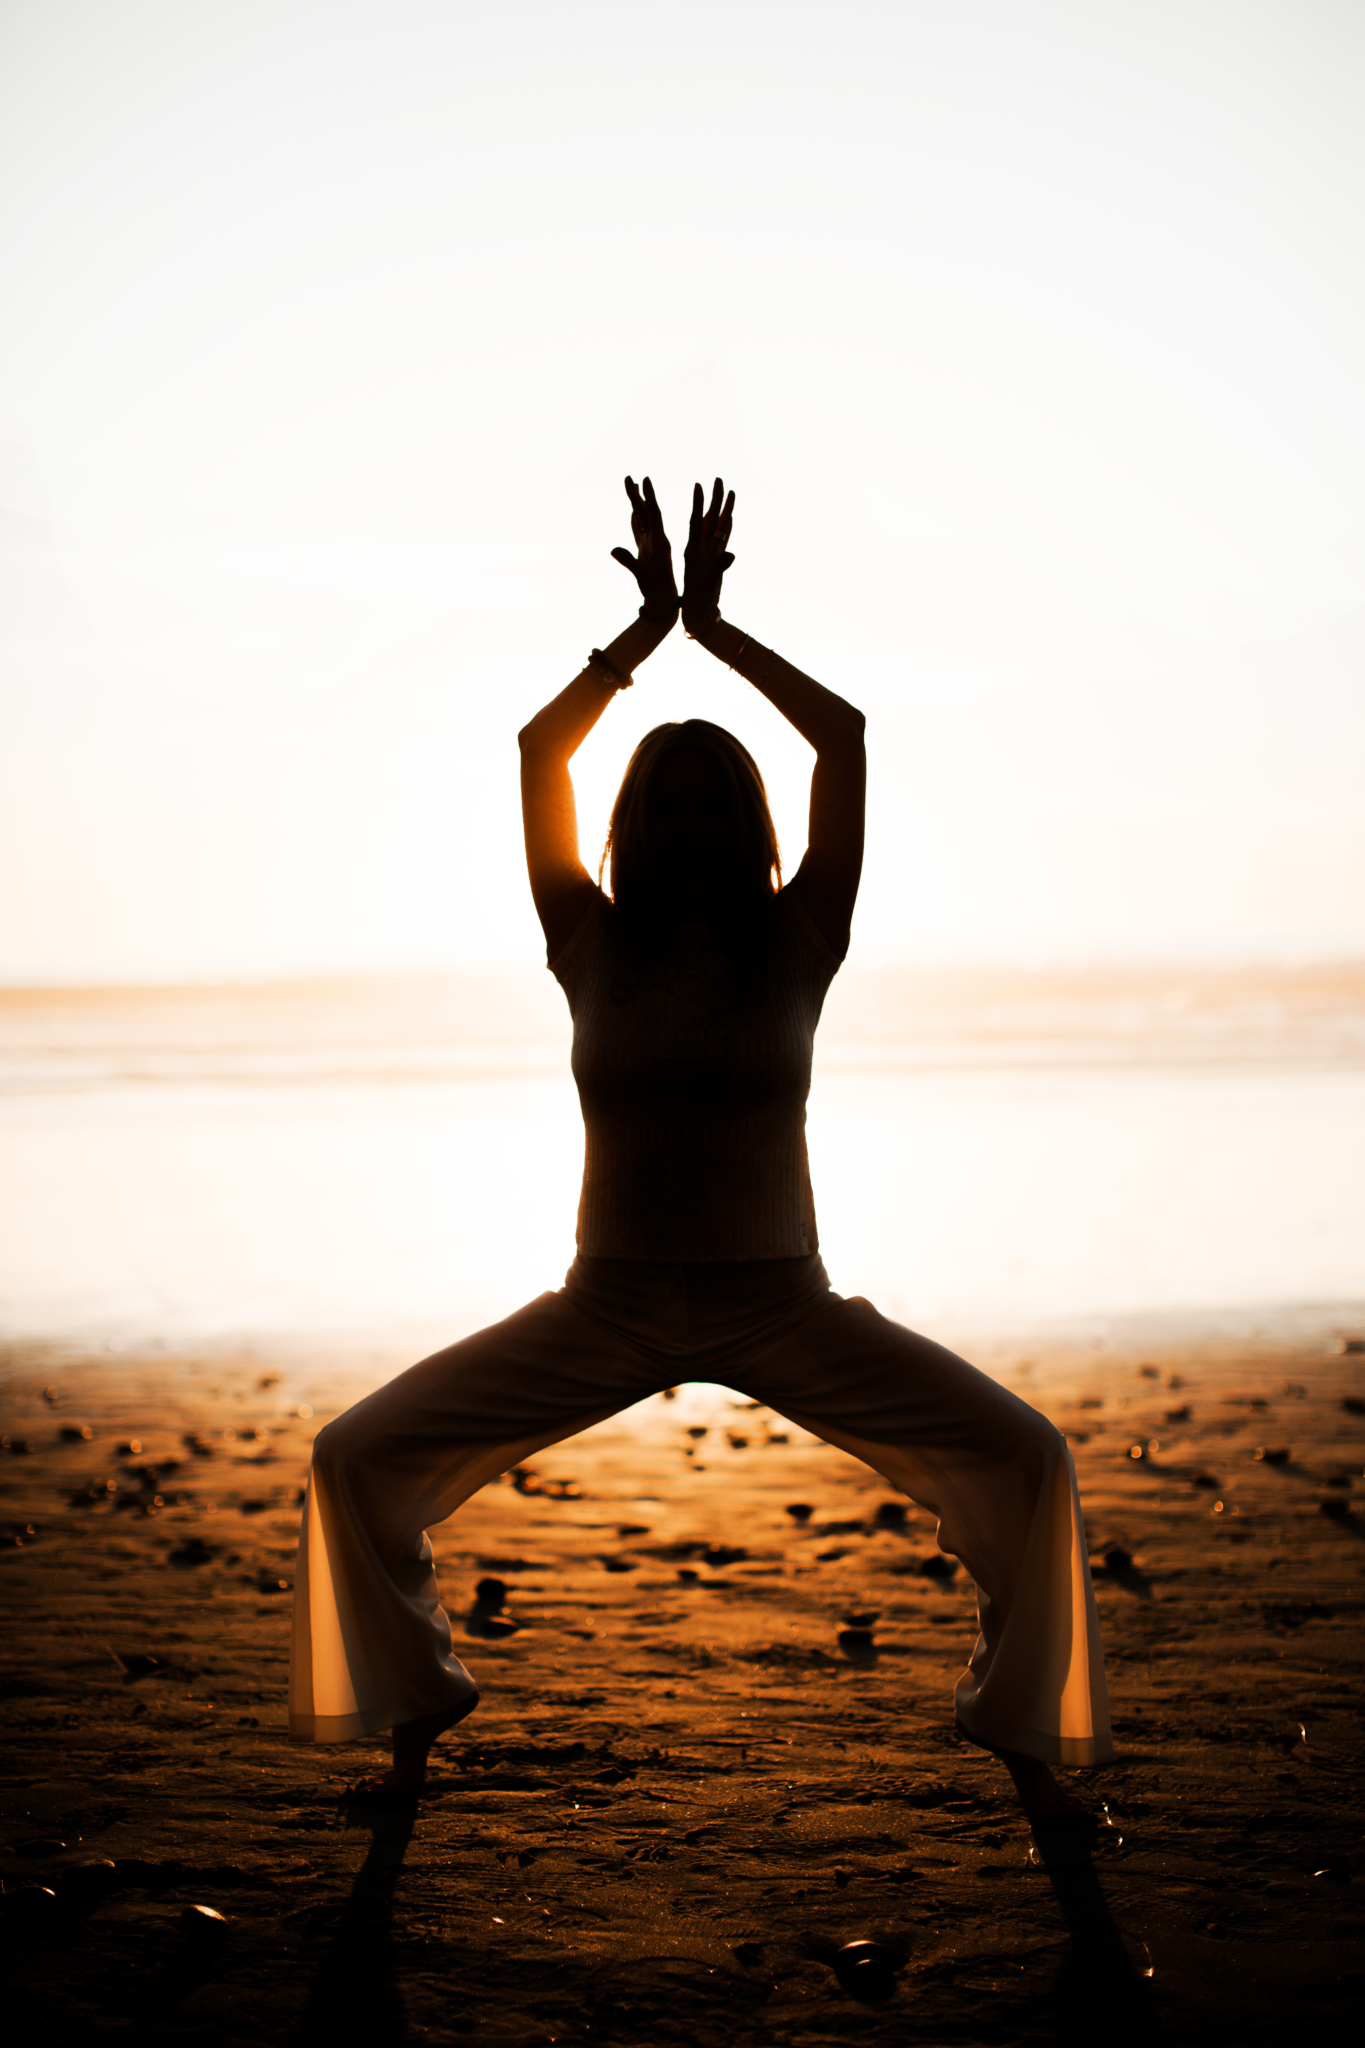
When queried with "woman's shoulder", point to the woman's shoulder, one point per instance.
{"points": [[800, 935], [587, 942]]}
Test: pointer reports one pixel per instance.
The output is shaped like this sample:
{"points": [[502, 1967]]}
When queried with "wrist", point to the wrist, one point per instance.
{"points": [[660, 611]]}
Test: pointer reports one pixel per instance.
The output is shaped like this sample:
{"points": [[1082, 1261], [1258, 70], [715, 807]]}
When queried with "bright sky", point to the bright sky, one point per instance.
{"points": [[1029, 334]]}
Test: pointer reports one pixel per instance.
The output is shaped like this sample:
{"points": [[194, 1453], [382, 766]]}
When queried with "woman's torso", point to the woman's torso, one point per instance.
{"points": [[693, 1081]]}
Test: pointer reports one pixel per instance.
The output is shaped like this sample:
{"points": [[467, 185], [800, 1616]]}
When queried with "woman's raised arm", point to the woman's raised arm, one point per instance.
{"points": [[561, 886], [827, 879]]}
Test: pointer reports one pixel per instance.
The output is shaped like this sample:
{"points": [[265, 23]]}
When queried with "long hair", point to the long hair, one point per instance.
{"points": [[625, 857]]}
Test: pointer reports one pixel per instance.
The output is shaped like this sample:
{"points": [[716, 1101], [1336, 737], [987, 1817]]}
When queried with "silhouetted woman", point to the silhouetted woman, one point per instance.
{"points": [[695, 984]]}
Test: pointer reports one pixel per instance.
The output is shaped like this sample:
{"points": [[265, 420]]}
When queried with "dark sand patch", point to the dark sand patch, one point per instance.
{"points": [[682, 1797]]}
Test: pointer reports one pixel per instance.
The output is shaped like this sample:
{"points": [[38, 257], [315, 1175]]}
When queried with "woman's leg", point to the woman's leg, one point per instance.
{"points": [[1001, 1481], [371, 1645]]}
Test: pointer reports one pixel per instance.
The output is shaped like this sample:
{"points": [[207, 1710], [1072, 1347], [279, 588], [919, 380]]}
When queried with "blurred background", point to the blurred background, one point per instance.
{"points": [[1029, 336]]}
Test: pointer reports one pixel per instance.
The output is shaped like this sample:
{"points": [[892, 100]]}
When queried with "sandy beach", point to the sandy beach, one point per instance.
{"points": [[689, 1785]]}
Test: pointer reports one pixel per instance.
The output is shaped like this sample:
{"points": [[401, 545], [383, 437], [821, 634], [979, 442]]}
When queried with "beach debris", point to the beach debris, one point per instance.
{"points": [[204, 1923], [687, 1575], [1335, 1506], [1206, 1479], [84, 1886], [38, 1848], [800, 1511], [831, 1556], [856, 1638], [1117, 1560], [92, 1494], [1264, 1456], [193, 1551], [737, 1440], [1174, 1380], [196, 1445], [18, 1535], [253, 1507], [266, 1582], [50, 1396], [75, 1433], [1181, 1414], [937, 1566], [17, 1446], [528, 1481], [718, 1555], [668, 1393], [842, 1878], [139, 1665], [488, 1617], [617, 1564], [890, 1515], [266, 1381], [1148, 1372], [867, 1970], [1338, 1871], [748, 1954], [1353, 1406], [855, 1527], [131, 1447]]}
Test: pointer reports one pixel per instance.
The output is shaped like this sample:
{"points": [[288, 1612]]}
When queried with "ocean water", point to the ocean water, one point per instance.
{"points": [[395, 1162]]}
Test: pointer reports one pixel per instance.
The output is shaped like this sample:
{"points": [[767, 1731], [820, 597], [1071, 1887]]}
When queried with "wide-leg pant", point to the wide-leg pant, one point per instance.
{"points": [[371, 1642]]}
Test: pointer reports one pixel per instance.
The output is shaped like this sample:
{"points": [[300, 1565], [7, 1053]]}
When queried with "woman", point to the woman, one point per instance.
{"points": [[695, 987]]}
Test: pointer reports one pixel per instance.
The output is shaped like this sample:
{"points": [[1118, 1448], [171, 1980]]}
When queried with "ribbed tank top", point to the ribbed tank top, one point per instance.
{"points": [[694, 1100]]}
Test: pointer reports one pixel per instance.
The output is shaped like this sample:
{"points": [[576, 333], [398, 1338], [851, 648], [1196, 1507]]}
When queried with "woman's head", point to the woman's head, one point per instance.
{"points": [[691, 833]]}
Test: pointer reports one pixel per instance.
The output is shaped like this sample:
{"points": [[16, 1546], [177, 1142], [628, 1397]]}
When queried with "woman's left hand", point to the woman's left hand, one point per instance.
{"points": [[652, 568]]}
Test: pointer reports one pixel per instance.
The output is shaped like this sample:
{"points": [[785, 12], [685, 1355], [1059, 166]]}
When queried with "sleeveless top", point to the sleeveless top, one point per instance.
{"points": [[694, 1097]]}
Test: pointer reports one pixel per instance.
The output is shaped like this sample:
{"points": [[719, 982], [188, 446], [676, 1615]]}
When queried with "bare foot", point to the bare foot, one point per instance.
{"points": [[1041, 1797], [412, 1745]]}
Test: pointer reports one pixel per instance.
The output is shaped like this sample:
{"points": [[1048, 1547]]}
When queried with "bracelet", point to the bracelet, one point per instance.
{"points": [[597, 659]]}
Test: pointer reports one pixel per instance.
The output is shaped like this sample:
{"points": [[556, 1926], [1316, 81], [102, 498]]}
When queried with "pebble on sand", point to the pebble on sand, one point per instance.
{"points": [[867, 1969], [1278, 1456], [486, 1618], [84, 1886], [32, 1907], [204, 1923]]}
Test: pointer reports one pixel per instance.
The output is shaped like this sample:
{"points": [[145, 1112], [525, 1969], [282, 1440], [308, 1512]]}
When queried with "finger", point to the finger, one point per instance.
{"points": [[627, 560], [717, 492], [726, 562], [650, 498], [694, 523], [632, 493]]}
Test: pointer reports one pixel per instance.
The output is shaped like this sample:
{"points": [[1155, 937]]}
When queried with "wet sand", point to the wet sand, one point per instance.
{"points": [[683, 1795]]}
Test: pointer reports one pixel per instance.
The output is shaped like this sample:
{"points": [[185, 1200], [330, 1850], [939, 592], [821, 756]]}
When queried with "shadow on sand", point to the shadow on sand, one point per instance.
{"points": [[355, 1994], [1102, 1993]]}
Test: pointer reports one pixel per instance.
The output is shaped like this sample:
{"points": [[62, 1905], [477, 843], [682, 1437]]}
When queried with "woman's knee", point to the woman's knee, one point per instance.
{"points": [[335, 1450]]}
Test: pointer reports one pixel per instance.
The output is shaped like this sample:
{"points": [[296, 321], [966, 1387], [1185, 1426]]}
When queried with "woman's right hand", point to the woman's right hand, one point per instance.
{"points": [[706, 557], [652, 568]]}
